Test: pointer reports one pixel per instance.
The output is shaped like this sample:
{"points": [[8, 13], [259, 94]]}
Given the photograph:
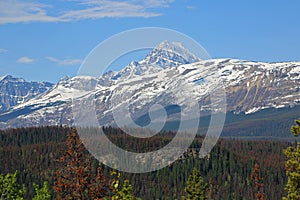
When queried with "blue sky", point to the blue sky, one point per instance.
{"points": [[44, 40]]}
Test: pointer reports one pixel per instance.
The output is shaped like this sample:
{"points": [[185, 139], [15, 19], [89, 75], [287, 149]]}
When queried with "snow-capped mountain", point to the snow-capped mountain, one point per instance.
{"points": [[169, 54], [166, 54], [249, 86], [14, 91]]}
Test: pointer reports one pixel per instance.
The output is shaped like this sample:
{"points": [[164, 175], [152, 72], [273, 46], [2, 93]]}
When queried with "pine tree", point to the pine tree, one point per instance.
{"points": [[258, 183], [293, 166], [10, 189], [212, 190], [42, 193], [121, 193], [74, 180], [196, 188]]}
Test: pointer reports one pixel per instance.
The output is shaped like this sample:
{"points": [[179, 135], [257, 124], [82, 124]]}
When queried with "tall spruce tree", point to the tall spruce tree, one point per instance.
{"points": [[196, 188], [258, 183], [75, 180], [293, 166]]}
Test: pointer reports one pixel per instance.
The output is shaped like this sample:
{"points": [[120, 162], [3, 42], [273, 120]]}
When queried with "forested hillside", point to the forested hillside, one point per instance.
{"points": [[34, 152]]}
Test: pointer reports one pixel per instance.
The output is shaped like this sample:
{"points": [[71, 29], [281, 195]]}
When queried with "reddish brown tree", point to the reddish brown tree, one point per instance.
{"points": [[212, 190], [75, 180], [258, 183]]}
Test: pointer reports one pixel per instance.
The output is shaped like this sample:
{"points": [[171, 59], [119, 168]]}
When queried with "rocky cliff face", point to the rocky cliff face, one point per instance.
{"points": [[14, 91]]}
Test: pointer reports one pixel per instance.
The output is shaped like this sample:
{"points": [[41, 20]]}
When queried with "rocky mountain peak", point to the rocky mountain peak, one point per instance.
{"points": [[170, 54], [166, 54]]}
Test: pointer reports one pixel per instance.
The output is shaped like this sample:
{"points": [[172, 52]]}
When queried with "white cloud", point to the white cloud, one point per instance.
{"points": [[3, 50], [52, 59], [16, 11], [158, 3], [101, 9], [25, 60], [191, 7], [64, 61]]}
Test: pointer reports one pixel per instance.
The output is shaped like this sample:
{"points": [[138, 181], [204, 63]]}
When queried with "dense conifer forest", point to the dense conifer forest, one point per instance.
{"points": [[34, 153]]}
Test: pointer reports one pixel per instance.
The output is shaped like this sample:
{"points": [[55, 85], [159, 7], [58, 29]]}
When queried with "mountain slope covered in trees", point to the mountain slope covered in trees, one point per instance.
{"points": [[34, 153]]}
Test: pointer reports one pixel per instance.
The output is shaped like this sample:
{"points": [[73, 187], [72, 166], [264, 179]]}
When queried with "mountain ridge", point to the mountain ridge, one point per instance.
{"points": [[14, 91], [250, 87]]}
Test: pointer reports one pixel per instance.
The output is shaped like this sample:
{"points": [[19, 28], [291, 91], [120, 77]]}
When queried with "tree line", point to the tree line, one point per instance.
{"points": [[50, 167]]}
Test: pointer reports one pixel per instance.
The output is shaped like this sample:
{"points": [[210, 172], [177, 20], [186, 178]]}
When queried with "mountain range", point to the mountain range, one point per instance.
{"points": [[170, 75]]}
